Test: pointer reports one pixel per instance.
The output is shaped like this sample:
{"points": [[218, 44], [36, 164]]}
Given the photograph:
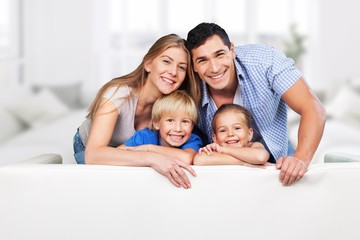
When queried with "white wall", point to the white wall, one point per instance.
{"points": [[339, 38], [58, 41], [61, 42]]}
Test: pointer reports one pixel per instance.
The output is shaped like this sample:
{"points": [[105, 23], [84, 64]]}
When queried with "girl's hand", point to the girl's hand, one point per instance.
{"points": [[208, 149]]}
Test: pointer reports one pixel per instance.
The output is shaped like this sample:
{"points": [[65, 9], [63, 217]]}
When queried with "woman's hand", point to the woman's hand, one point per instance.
{"points": [[174, 171]]}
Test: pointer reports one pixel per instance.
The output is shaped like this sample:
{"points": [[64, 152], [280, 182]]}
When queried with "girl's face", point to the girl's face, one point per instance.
{"points": [[174, 129], [231, 130], [168, 70]]}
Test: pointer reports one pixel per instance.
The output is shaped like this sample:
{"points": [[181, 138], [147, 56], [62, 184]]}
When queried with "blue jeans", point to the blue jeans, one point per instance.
{"points": [[79, 148]]}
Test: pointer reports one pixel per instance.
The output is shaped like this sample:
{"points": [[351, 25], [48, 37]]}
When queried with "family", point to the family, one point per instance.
{"points": [[203, 101]]}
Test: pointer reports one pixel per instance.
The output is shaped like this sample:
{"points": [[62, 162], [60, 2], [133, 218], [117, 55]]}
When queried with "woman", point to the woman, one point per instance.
{"points": [[124, 105]]}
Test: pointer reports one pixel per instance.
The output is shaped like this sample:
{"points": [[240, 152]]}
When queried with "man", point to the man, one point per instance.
{"points": [[263, 80]]}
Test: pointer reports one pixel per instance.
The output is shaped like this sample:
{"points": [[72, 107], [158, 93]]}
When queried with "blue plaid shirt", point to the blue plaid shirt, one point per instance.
{"points": [[264, 75]]}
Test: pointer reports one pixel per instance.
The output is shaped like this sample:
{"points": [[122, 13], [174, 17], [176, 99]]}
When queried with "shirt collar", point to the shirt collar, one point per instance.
{"points": [[205, 94], [238, 68]]}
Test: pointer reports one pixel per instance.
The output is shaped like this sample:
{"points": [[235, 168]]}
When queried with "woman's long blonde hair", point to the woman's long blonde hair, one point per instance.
{"points": [[137, 78]]}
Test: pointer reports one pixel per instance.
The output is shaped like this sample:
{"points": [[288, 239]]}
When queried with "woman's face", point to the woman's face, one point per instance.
{"points": [[168, 70]]}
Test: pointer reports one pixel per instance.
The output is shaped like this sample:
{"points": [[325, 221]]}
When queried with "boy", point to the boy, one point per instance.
{"points": [[173, 118]]}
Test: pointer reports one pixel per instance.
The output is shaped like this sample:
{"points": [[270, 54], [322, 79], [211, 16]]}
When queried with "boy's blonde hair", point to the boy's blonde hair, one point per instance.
{"points": [[176, 102]]}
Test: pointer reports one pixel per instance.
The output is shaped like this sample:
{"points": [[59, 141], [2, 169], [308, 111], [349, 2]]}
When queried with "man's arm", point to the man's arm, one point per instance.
{"points": [[302, 100]]}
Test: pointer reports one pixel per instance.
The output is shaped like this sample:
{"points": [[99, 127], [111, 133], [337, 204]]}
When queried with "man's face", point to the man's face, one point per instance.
{"points": [[214, 62]]}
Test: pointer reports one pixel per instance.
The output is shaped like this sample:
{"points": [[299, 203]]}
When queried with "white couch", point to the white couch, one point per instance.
{"points": [[67, 201]]}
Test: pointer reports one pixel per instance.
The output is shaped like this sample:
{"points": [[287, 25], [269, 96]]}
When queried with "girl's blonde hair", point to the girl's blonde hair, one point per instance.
{"points": [[137, 78], [174, 103]]}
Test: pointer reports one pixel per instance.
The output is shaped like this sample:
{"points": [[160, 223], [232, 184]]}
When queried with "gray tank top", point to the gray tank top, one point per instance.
{"points": [[125, 102]]}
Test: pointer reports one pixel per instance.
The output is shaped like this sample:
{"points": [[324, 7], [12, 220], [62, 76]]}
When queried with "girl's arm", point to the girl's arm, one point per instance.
{"points": [[254, 154]]}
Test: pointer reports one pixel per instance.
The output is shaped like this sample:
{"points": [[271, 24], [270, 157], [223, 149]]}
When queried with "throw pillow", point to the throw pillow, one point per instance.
{"points": [[70, 94], [37, 109], [344, 105]]}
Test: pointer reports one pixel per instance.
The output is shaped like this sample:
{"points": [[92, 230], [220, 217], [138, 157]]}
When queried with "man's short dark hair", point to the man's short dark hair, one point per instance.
{"points": [[199, 34]]}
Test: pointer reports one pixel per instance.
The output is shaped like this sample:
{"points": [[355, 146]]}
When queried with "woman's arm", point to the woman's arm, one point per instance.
{"points": [[97, 150], [185, 155]]}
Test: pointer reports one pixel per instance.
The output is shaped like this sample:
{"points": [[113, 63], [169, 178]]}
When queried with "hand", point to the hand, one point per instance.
{"points": [[292, 169], [208, 149], [173, 170]]}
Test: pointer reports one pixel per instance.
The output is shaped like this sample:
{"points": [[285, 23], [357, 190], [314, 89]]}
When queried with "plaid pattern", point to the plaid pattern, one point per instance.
{"points": [[264, 75]]}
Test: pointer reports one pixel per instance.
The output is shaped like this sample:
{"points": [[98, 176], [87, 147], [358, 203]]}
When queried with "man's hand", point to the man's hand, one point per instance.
{"points": [[292, 169]]}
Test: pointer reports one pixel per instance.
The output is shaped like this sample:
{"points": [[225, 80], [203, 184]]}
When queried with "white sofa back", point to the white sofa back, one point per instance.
{"points": [[54, 201]]}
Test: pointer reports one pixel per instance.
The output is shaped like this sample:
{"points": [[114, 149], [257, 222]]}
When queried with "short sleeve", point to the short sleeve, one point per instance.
{"points": [[194, 142], [144, 136], [283, 73]]}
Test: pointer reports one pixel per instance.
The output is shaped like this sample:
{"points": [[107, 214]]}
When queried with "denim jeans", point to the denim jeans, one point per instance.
{"points": [[79, 148]]}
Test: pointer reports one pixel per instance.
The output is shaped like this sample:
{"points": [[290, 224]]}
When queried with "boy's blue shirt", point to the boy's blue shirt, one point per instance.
{"points": [[147, 136]]}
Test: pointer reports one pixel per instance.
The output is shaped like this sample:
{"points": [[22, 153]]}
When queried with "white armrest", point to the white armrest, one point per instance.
{"points": [[341, 157], [48, 158]]}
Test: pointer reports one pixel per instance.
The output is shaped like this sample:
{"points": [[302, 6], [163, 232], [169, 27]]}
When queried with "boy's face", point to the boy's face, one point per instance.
{"points": [[174, 129], [231, 130]]}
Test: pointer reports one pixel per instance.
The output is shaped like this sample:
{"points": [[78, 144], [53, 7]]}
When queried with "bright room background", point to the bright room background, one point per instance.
{"points": [[81, 44]]}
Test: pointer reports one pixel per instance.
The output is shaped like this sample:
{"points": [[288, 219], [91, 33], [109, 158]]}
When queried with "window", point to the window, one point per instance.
{"points": [[136, 24], [10, 51]]}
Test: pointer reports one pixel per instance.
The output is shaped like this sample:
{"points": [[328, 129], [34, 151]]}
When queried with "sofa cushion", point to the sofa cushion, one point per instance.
{"points": [[69, 94], [344, 105], [36, 109], [10, 125]]}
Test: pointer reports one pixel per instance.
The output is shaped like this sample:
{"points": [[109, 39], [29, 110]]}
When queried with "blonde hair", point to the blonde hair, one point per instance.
{"points": [[176, 102], [137, 78]]}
